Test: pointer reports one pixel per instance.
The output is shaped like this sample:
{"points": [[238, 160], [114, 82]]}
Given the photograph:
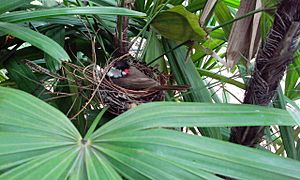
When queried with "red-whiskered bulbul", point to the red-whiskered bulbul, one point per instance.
{"points": [[130, 77]]}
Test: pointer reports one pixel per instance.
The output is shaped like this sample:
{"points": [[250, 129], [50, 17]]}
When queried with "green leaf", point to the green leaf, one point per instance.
{"points": [[3, 76], [106, 2], [185, 72], [31, 128], [7, 5], [298, 150], [19, 16], [140, 5], [192, 114], [22, 75], [39, 142], [292, 76], [223, 15], [210, 44], [19, 72], [221, 78], [196, 5], [233, 3], [58, 35], [95, 123], [286, 132], [179, 25], [152, 150], [153, 50], [36, 39]]}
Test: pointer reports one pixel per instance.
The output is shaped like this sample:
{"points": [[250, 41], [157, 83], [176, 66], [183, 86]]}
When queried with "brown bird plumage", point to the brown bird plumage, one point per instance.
{"points": [[137, 80]]}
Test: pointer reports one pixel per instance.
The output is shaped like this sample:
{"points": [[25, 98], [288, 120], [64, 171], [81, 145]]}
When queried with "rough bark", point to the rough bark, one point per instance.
{"points": [[271, 62]]}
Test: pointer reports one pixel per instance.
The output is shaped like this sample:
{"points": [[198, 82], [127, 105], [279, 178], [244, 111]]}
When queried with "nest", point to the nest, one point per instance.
{"points": [[120, 99], [117, 98], [103, 90]]}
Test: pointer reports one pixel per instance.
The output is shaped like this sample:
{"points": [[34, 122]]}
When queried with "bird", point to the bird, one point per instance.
{"points": [[129, 77]]}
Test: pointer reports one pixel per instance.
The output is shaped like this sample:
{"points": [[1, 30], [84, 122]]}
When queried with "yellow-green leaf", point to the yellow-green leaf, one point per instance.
{"points": [[179, 25]]}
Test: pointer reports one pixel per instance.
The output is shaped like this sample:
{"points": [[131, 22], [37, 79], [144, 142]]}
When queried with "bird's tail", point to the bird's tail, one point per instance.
{"points": [[169, 87]]}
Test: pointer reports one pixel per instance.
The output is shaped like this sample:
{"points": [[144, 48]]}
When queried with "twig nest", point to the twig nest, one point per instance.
{"points": [[120, 99]]}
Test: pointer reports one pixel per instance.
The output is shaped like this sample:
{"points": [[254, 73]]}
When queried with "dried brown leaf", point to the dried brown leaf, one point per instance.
{"points": [[240, 36], [255, 27], [207, 9]]}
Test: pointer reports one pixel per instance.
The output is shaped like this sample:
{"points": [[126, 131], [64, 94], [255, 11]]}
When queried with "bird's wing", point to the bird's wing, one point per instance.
{"points": [[135, 80]]}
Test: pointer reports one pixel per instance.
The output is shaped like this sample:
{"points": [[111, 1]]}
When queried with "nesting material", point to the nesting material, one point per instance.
{"points": [[96, 86], [120, 99]]}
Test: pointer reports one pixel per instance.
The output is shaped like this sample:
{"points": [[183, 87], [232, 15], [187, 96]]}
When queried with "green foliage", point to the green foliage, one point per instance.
{"points": [[40, 142], [76, 138], [186, 26], [7, 5], [20, 16], [36, 39]]}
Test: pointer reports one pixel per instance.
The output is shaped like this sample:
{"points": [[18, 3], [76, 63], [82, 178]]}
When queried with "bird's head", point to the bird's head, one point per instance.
{"points": [[119, 69], [121, 65]]}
